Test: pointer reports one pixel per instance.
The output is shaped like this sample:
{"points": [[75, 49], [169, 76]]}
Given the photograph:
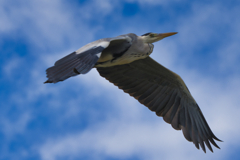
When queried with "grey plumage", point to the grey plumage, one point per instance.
{"points": [[125, 62]]}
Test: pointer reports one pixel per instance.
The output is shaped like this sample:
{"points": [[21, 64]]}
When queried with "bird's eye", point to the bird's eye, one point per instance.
{"points": [[151, 34]]}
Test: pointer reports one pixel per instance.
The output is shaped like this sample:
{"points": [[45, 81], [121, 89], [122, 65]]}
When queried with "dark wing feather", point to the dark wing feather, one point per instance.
{"points": [[165, 93], [84, 59], [73, 64]]}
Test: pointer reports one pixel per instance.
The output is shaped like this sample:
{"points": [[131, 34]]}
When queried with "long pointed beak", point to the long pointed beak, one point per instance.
{"points": [[163, 35]]}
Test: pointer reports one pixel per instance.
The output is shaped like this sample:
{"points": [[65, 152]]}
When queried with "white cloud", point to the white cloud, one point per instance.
{"points": [[154, 2], [16, 126], [41, 23], [229, 56], [11, 65]]}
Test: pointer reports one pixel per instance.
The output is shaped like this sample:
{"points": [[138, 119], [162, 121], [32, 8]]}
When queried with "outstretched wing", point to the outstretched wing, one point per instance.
{"points": [[165, 93], [80, 61]]}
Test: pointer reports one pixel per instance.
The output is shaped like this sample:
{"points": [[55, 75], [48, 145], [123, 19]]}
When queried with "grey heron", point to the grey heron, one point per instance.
{"points": [[124, 61]]}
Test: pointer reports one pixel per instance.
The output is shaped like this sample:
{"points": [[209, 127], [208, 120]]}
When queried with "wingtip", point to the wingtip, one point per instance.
{"points": [[217, 139], [47, 81], [204, 150]]}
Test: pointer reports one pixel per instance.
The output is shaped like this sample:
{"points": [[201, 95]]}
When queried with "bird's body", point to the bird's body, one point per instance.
{"points": [[125, 61], [121, 50]]}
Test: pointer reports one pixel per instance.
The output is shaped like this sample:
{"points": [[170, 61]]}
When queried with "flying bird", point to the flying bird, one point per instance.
{"points": [[124, 61]]}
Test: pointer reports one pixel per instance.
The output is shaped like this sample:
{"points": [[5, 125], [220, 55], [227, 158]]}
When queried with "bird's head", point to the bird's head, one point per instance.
{"points": [[154, 37]]}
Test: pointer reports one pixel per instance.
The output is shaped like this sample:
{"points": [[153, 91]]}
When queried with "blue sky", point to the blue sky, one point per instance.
{"points": [[86, 117]]}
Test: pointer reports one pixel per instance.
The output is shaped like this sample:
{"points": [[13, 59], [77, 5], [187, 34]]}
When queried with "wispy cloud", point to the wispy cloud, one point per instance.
{"points": [[153, 2]]}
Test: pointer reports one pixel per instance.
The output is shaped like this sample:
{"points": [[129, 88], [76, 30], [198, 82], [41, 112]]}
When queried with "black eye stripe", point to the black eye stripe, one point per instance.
{"points": [[146, 34]]}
